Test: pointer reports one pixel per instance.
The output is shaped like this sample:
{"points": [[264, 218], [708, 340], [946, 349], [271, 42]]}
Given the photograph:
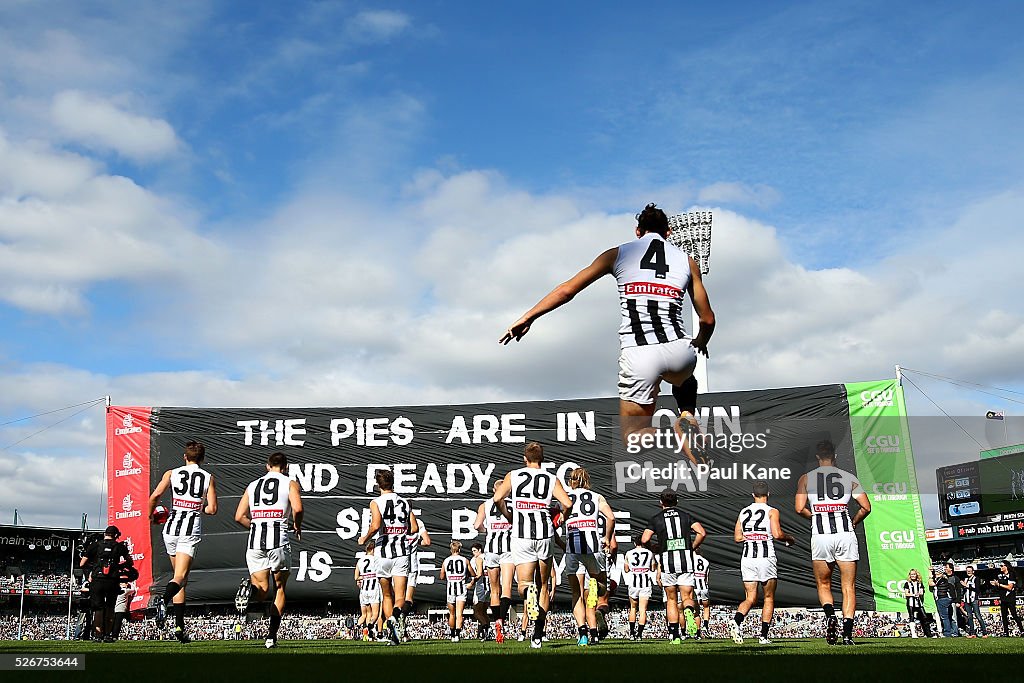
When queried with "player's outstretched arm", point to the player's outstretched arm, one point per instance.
{"points": [[161, 487], [562, 294], [800, 499], [777, 533], [701, 304], [211, 498], [374, 527], [295, 501]]}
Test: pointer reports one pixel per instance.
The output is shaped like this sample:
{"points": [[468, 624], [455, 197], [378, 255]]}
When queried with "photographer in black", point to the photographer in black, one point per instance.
{"points": [[108, 562]]}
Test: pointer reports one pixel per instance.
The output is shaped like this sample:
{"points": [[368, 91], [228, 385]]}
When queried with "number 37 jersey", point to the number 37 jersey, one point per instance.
{"points": [[653, 275]]}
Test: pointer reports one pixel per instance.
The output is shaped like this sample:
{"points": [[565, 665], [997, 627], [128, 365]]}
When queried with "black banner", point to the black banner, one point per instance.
{"points": [[446, 459]]}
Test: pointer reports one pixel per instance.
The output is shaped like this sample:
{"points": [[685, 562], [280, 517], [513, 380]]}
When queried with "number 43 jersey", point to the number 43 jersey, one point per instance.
{"points": [[653, 275]]}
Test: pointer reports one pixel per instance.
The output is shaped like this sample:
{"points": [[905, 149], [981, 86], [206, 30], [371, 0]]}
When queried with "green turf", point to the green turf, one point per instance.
{"points": [[872, 660]]}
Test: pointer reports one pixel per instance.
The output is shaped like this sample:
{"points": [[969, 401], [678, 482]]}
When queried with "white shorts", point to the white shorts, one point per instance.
{"points": [[123, 600], [371, 597], [276, 560], [841, 547], [525, 550], [461, 597], [482, 592], [684, 579], [642, 367], [388, 567], [589, 564], [637, 593], [181, 544], [758, 569], [701, 595], [412, 578], [495, 560]]}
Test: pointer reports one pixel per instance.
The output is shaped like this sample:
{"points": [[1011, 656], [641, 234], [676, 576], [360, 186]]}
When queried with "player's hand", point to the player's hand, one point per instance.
{"points": [[701, 346], [297, 533], [517, 331], [361, 540]]}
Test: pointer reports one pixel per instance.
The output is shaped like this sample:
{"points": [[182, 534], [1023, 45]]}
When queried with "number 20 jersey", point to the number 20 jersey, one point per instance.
{"points": [[653, 275], [532, 489]]}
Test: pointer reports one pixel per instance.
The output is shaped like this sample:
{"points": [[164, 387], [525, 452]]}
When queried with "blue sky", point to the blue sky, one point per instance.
{"points": [[346, 202]]}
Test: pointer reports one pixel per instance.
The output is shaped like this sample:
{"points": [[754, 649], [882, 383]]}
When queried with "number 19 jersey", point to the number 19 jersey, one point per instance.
{"points": [[269, 508]]}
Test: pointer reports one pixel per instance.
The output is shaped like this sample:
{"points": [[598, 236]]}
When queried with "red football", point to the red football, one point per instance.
{"points": [[160, 514]]}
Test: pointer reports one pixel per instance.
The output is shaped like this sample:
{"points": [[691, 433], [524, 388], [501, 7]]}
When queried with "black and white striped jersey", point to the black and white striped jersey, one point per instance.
{"points": [[414, 541], [583, 529], [641, 568], [498, 529], [671, 527], [915, 594], [456, 573], [653, 276], [829, 490], [367, 572], [755, 523], [393, 537], [189, 485], [701, 572], [970, 587], [532, 490], [269, 509]]}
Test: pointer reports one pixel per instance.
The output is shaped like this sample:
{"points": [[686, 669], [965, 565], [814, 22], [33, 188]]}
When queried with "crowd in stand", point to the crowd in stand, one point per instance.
{"points": [[795, 623], [37, 582]]}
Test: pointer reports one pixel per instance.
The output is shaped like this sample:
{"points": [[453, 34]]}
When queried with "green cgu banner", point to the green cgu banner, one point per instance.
{"points": [[894, 531]]}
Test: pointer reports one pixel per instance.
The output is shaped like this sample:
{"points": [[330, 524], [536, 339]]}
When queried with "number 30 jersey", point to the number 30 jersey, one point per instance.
{"points": [[829, 490], [188, 490], [653, 275], [269, 508]]}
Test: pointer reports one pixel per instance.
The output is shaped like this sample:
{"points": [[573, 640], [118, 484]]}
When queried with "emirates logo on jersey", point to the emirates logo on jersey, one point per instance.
{"points": [[652, 289], [127, 505], [126, 464]]}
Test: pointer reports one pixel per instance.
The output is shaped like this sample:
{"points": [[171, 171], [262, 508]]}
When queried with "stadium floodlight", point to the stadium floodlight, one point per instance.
{"points": [[691, 232]]}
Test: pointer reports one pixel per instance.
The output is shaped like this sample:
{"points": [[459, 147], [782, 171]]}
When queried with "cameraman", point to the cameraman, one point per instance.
{"points": [[945, 586], [108, 559]]}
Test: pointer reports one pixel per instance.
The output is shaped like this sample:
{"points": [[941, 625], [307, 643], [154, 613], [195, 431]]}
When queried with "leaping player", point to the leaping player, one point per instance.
{"points": [[823, 496], [652, 276]]}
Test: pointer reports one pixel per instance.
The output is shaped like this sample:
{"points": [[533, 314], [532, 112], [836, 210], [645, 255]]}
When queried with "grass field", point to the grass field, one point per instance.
{"points": [[623, 661]]}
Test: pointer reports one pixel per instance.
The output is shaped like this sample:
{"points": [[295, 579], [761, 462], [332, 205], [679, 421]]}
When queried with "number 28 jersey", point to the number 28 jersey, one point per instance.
{"points": [[653, 275]]}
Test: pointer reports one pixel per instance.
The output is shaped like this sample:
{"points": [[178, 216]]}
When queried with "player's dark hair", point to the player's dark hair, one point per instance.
{"points": [[385, 479], [638, 540], [195, 452], [476, 546], [278, 459], [652, 219], [534, 452], [370, 546], [760, 488], [825, 450], [669, 498]]}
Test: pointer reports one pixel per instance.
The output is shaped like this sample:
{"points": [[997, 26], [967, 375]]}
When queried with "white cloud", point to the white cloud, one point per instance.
{"points": [[99, 124], [378, 26]]}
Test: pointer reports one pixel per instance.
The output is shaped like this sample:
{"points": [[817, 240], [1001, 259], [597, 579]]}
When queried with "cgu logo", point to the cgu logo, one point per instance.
{"points": [[878, 398], [895, 588], [899, 536], [890, 488], [883, 441]]}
